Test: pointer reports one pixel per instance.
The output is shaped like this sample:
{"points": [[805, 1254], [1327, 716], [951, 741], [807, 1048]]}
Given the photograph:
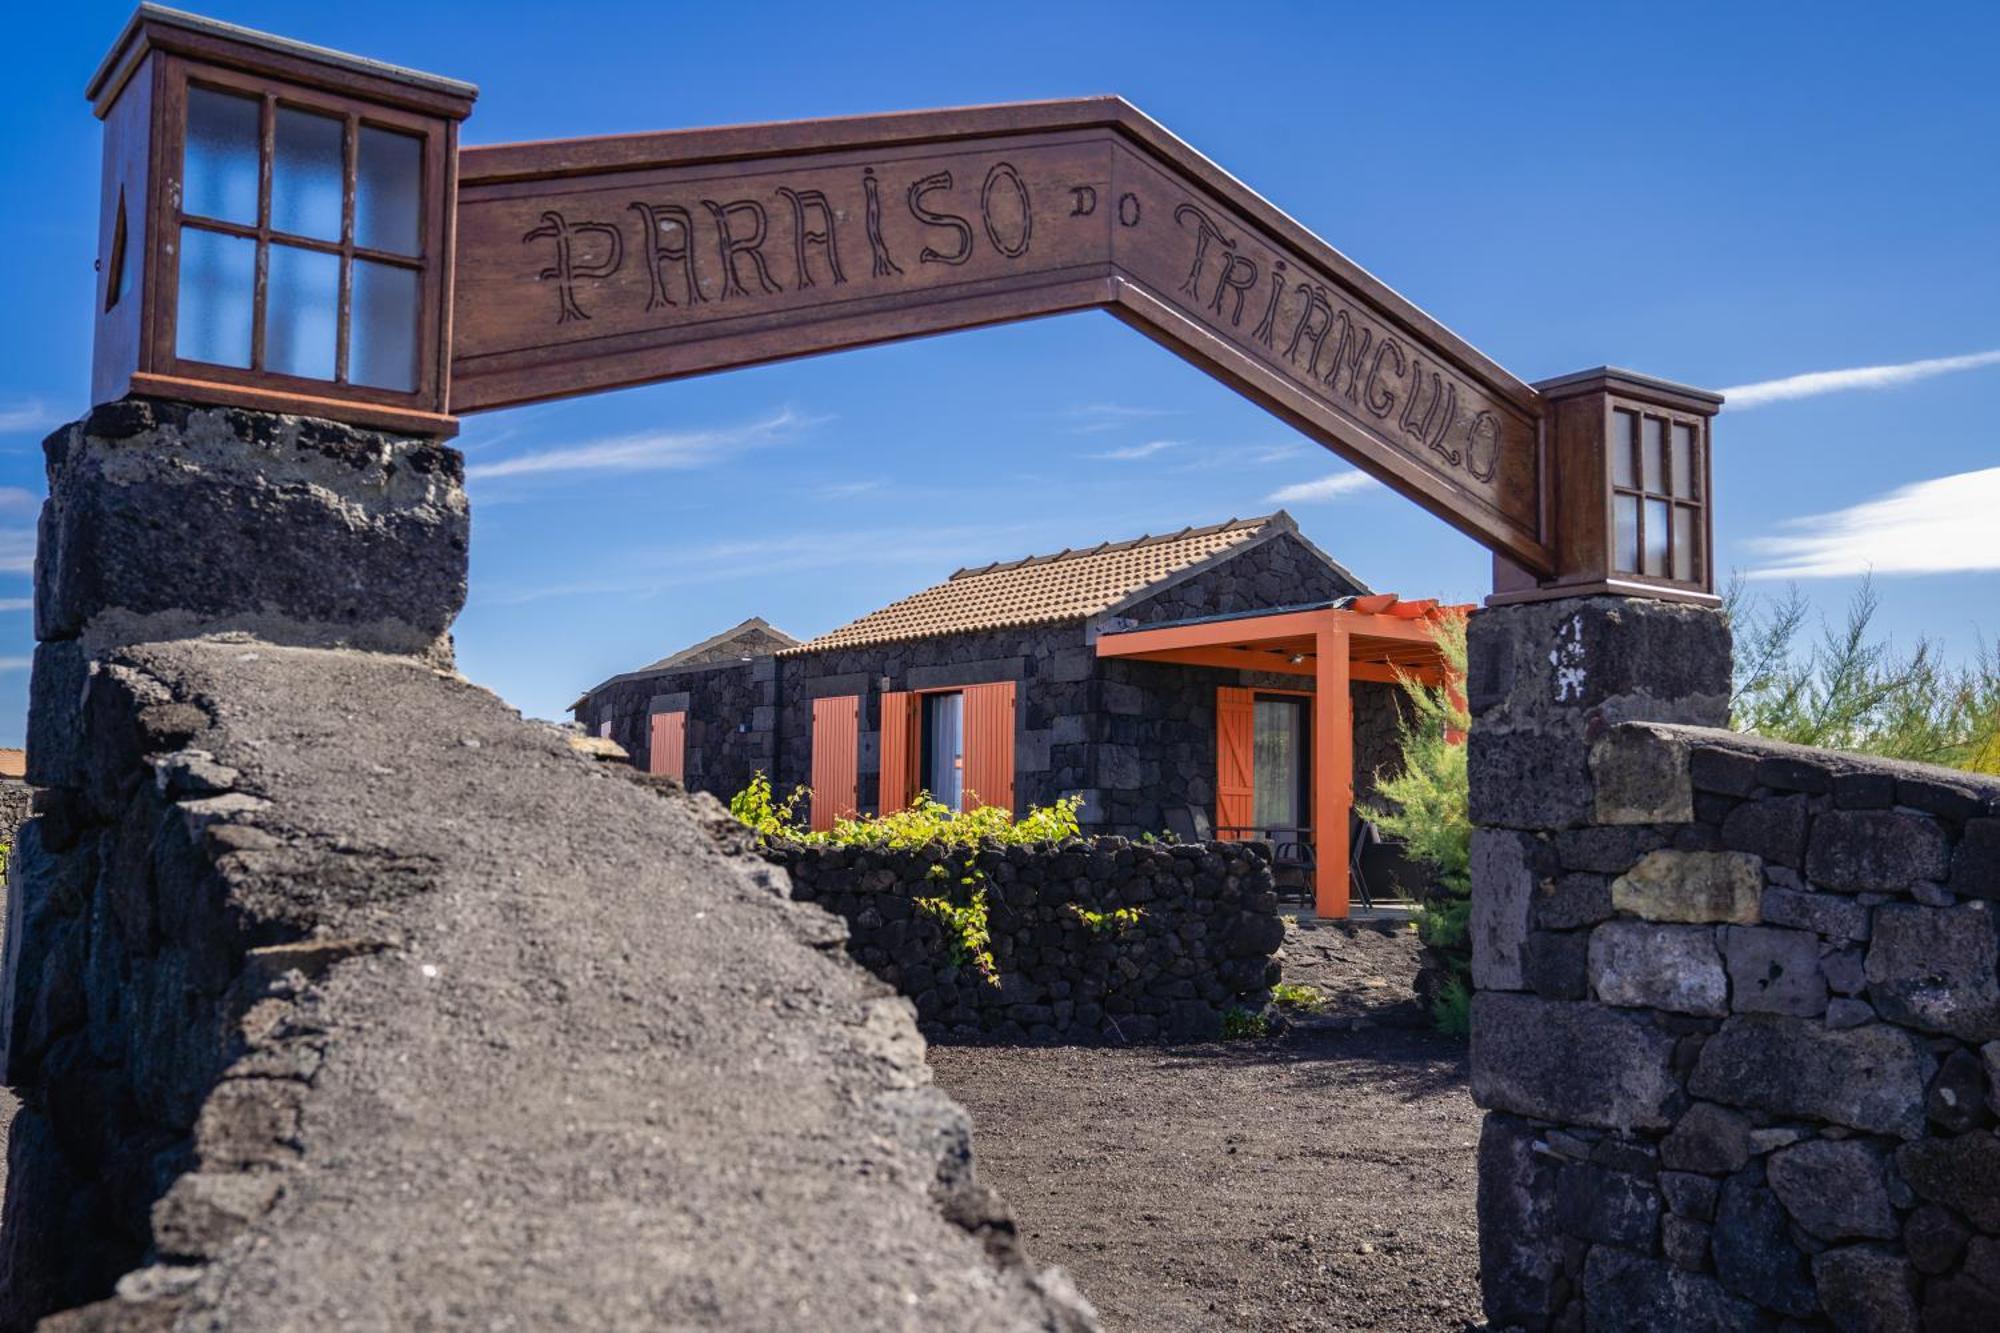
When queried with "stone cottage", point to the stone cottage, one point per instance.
{"points": [[999, 685]]}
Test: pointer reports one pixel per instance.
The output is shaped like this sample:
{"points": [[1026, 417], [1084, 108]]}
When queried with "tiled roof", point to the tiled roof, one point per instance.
{"points": [[755, 637], [760, 636], [1043, 589]]}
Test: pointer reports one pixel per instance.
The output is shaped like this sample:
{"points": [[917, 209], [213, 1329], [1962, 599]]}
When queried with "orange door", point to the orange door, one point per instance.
{"points": [[1235, 760], [989, 745], [836, 759], [668, 751], [899, 751]]}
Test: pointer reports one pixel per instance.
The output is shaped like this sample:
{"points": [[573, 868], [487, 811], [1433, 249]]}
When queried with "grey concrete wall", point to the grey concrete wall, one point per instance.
{"points": [[336, 995], [1201, 943], [1738, 1021]]}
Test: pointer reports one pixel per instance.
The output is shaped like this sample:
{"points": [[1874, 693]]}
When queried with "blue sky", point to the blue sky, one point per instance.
{"points": [[1726, 195]]}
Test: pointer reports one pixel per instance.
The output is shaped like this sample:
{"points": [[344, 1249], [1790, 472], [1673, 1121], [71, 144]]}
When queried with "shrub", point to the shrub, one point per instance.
{"points": [[1292, 995], [1239, 1024], [1851, 691], [1424, 806]]}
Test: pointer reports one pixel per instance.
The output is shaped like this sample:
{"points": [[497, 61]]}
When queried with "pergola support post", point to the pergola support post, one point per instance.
{"points": [[1333, 770]]}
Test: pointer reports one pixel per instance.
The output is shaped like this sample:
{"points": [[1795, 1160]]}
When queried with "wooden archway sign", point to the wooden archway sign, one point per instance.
{"points": [[593, 264], [524, 272]]}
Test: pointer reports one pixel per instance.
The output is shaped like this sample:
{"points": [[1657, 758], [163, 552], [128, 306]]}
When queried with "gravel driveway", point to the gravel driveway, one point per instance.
{"points": [[1320, 1179]]}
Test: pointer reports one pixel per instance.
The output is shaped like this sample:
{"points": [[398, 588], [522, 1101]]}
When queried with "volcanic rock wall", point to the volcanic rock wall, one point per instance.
{"points": [[1089, 938], [339, 996], [1738, 1022]]}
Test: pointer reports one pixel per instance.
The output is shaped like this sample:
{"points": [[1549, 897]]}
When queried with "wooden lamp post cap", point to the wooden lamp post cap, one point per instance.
{"points": [[1631, 384], [158, 28]]}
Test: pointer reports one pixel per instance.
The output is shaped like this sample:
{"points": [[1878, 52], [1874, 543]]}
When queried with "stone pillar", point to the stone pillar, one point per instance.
{"points": [[1546, 680], [168, 522]]}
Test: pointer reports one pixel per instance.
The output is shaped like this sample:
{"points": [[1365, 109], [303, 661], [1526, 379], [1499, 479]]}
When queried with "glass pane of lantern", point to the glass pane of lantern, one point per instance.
{"points": [[1684, 465], [383, 353], [218, 284], [219, 165], [1626, 548], [307, 168], [388, 192], [1623, 426], [1652, 450], [301, 312], [1685, 549], [1656, 537]]}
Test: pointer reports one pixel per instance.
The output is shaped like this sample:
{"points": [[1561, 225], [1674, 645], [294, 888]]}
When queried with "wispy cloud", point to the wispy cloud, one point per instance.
{"points": [[1861, 377], [18, 500], [848, 490], [1094, 417], [16, 663], [17, 603], [17, 550], [1136, 451], [647, 451], [1326, 488], [26, 414], [1940, 526]]}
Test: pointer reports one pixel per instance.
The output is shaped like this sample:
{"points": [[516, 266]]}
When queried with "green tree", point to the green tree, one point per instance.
{"points": [[1423, 805], [1852, 690]]}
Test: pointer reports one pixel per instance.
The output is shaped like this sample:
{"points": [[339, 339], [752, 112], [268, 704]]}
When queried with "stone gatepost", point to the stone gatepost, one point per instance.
{"points": [[1547, 679]]}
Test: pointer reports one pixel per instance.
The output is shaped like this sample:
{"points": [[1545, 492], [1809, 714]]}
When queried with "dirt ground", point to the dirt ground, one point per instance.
{"points": [[1318, 1179]]}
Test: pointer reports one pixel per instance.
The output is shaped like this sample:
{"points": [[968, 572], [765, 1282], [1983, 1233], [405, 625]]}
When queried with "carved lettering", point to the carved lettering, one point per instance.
{"points": [[1377, 398], [1482, 446], [884, 265], [1444, 400], [1128, 218], [1205, 231], [940, 180], [1310, 328], [669, 240], [1004, 172], [803, 235], [1350, 360], [1084, 201], [734, 247], [1267, 326], [567, 268], [1234, 279]]}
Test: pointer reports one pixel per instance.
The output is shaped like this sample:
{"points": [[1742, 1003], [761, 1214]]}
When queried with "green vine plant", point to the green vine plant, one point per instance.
{"points": [[927, 822], [961, 910], [969, 940], [1103, 923]]}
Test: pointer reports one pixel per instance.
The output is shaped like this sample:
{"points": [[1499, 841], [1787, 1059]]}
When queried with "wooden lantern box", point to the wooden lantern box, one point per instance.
{"points": [[276, 225]]}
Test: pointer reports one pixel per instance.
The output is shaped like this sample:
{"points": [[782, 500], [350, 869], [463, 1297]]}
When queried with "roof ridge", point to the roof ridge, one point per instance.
{"points": [[1143, 539]]}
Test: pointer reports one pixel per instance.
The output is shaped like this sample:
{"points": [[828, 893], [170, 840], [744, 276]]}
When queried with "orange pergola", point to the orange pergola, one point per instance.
{"points": [[1378, 637]]}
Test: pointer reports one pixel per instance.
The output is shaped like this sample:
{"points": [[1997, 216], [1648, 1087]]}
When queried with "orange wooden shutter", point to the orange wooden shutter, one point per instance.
{"points": [[989, 745], [668, 752], [899, 751], [1235, 760], [836, 759]]}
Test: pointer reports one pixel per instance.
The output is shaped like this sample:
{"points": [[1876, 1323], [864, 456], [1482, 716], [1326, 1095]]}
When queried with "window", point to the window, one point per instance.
{"points": [[943, 774], [1278, 774], [301, 234], [1657, 480]]}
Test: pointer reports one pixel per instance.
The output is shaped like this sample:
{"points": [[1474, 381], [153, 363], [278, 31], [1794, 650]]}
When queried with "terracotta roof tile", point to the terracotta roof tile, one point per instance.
{"points": [[1042, 589]]}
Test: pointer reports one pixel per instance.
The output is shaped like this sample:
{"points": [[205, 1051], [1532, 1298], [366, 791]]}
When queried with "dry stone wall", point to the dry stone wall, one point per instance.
{"points": [[1738, 1028], [337, 995], [1198, 929]]}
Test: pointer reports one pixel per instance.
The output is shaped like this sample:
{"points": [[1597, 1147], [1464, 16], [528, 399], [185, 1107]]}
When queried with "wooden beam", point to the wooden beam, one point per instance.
{"points": [[1333, 772]]}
